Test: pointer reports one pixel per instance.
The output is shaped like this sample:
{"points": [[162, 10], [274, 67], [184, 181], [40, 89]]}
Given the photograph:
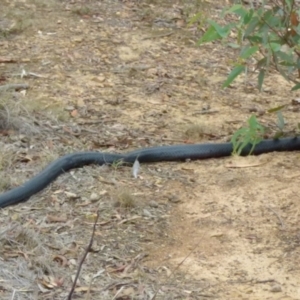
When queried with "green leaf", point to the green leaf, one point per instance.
{"points": [[239, 140], [247, 135], [267, 16], [233, 74], [210, 35], [222, 31], [290, 70], [251, 26], [237, 9], [283, 74], [261, 64], [276, 109], [271, 20], [248, 17], [265, 34], [248, 51], [233, 45], [275, 47], [275, 39], [261, 77], [280, 120], [256, 39], [287, 64], [240, 36], [278, 135], [195, 18], [296, 87], [252, 121], [287, 59], [289, 4]]}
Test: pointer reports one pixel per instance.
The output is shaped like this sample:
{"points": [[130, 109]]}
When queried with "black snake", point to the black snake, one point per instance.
{"points": [[146, 155]]}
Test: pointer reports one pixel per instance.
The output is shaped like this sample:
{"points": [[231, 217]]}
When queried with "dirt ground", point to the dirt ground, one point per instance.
{"points": [[115, 76]]}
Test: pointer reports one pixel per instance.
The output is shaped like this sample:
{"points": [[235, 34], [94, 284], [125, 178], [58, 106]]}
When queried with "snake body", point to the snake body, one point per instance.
{"points": [[145, 155]]}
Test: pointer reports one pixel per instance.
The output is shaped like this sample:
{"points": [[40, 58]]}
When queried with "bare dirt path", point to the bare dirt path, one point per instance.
{"points": [[118, 75]]}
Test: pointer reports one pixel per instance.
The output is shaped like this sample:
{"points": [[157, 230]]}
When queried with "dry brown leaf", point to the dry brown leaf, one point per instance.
{"points": [[84, 289], [74, 113], [128, 292], [62, 260], [48, 282], [115, 270], [80, 102], [7, 60], [56, 219]]}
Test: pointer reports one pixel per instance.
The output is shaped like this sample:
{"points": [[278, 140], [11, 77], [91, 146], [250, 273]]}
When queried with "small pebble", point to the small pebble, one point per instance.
{"points": [[153, 203], [71, 195], [276, 288], [173, 199], [69, 108], [147, 213], [94, 197]]}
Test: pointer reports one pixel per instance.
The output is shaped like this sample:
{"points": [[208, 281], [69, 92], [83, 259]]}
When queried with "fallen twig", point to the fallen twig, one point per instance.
{"points": [[158, 35], [264, 281], [204, 112], [277, 215], [24, 74], [35, 75], [84, 257], [7, 60], [14, 86], [178, 266]]}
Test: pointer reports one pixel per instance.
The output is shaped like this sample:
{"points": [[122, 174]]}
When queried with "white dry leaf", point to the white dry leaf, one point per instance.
{"points": [[135, 168], [23, 73], [98, 274]]}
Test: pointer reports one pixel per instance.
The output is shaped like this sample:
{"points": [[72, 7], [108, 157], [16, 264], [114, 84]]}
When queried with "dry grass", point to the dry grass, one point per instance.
{"points": [[43, 240], [15, 24], [15, 115], [196, 132], [81, 10], [147, 225], [16, 123], [21, 119], [6, 161], [124, 199]]}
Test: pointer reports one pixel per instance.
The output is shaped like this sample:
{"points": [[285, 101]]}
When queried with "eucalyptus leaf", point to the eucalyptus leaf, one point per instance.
{"points": [[261, 77], [210, 35], [280, 120], [233, 74], [276, 109], [248, 51]]}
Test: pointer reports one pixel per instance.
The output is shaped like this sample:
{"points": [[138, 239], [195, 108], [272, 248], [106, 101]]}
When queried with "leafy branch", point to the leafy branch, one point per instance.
{"points": [[248, 135], [268, 34]]}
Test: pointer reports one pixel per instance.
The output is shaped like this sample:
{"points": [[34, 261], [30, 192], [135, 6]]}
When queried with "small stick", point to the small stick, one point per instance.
{"points": [[208, 111], [277, 215], [158, 36], [265, 281], [83, 258], [177, 267], [14, 86], [36, 75]]}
